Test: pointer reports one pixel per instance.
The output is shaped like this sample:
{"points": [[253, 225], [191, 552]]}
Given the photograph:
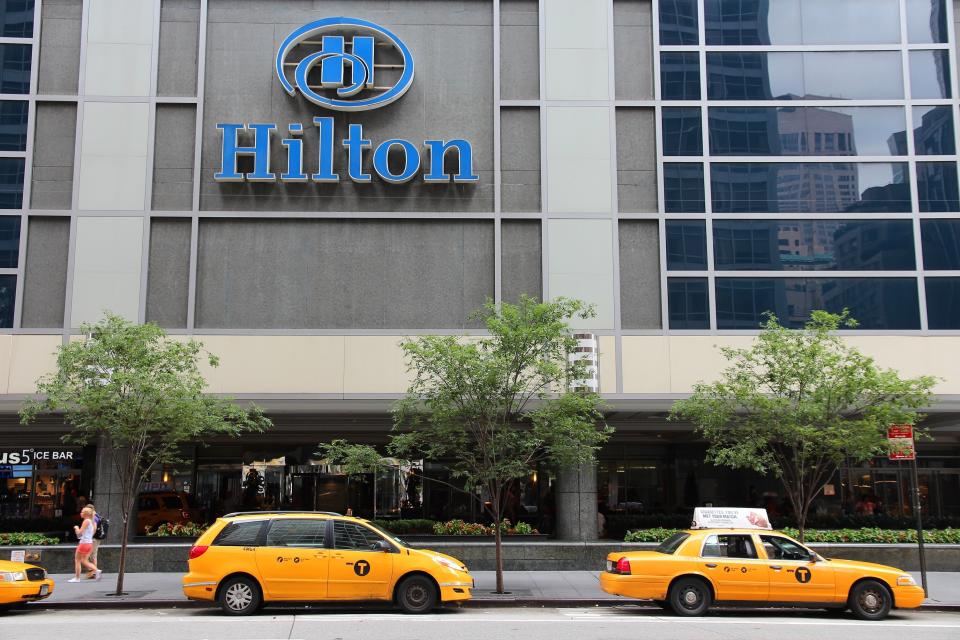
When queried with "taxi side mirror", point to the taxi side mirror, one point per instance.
{"points": [[381, 545]]}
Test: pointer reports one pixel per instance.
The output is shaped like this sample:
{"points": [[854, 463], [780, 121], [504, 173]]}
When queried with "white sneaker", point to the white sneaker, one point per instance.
{"points": [[74, 580], [99, 574]]}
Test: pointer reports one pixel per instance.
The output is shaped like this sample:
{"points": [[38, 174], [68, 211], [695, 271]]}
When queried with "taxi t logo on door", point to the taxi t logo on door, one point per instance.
{"points": [[361, 567]]}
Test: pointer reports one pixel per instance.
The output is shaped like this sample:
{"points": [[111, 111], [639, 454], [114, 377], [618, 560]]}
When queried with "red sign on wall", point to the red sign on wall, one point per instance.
{"points": [[900, 437]]}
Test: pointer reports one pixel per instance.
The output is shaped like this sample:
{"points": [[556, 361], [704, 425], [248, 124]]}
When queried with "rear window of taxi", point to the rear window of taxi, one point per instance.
{"points": [[671, 544]]}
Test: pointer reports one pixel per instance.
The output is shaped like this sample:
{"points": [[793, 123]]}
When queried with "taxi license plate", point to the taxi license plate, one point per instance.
{"points": [[44, 589]]}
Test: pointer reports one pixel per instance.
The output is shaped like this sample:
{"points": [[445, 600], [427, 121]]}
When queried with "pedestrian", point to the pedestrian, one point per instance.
{"points": [[96, 539], [85, 545]]}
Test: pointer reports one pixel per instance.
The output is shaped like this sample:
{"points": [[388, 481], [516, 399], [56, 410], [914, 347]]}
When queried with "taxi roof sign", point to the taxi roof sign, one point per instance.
{"points": [[719, 518]]}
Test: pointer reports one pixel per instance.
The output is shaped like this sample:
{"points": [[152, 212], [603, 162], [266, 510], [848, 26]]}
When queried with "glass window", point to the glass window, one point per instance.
{"points": [[937, 186], [16, 18], [926, 21], [297, 533], [876, 303], [803, 131], [845, 245], [9, 241], [671, 544], [941, 244], [930, 74], [680, 76], [678, 22], [688, 304], [781, 75], [682, 131], [686, 245], [825, 187], [943, 303], [760, 22], [172, 502], [11, 183], [348, 535], [933, 131], [779, 548], [146, 503], [13, 125], [683, 188], [14, 68], [729, 546], [240, 534]]}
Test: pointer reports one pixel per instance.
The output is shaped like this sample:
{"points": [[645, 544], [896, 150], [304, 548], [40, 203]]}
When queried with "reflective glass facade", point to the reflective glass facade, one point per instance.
{"points": [[824, 133]]}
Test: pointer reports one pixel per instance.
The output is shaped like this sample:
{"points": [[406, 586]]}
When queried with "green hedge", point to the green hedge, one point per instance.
{"points": [[20, 539], [406, 527], [864, 535]]}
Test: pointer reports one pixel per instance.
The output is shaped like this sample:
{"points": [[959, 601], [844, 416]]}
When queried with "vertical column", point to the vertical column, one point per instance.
{"points": [[580, 205]]}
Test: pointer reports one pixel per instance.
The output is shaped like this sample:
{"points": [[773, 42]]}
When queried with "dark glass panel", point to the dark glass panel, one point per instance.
{"points": [[762, 22], [16, 18], [941, 244], [686, 245], [13, 125], [680, 76], [14, 68], [943, 302], [678, 22], [8, 294], [937, 186], [9, 241], [689, 306], [683, 190], [11, 183], [844, 245], [813, 187], [933, 131], [682, 131], [800, 131], [876, 303], [930, 74], [779, 75], [927, 21]]}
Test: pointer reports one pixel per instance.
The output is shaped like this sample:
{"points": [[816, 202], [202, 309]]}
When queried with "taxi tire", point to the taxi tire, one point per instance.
{"points": [[678, 597], [242, 591], [870, 600], [416, 594]]}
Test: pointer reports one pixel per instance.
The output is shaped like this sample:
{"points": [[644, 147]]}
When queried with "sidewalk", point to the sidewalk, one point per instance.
{"points": [[527, 588]]}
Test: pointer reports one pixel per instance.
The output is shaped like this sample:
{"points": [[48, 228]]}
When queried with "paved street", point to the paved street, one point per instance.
{"points": [[612, 623]]}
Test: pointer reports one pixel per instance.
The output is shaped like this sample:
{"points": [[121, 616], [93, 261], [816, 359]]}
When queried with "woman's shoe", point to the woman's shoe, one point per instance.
{"points": [[99, 574], [74, 580]]}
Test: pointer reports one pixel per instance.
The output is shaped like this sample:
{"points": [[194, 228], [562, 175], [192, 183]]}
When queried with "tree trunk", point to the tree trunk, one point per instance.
{"points": [[498, 544], [123, 554]]}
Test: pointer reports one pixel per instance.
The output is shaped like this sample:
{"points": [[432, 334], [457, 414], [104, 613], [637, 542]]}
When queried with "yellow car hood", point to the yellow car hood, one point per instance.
{"points": [[838, 563]]}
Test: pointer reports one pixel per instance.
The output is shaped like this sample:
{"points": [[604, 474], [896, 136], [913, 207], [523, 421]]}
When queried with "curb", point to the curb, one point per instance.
{"points": [[557, 603]]}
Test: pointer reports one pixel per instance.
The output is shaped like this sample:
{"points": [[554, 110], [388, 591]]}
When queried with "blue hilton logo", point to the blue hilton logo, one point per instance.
{"points": [[340, 68]]}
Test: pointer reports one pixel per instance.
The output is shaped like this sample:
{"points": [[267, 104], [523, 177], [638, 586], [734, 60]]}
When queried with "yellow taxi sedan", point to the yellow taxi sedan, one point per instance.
{"points": [[697, 568], [21, 583], [246, 560]]}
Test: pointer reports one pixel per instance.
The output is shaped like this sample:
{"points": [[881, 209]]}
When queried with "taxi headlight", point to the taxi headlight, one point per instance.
{"points": [[906, 581], [12, 576], [449, 564]]}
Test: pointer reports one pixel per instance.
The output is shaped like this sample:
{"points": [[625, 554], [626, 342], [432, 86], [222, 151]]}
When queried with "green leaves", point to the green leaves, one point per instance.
{"points": [[797, 403]]}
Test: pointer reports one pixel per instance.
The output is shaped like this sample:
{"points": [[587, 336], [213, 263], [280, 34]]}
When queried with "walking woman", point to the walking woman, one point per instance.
{"points": [[85, 536]]}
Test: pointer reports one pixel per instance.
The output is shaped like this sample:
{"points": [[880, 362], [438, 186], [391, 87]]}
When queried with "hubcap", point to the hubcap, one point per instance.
{"points": [[239, 596], [690, 597], [871, 601], [416, 595]]}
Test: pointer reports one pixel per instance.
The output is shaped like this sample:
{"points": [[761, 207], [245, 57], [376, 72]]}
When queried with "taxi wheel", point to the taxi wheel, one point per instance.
{"points": [[870, 600], [690, 597], [416, 594], [239, 596]]}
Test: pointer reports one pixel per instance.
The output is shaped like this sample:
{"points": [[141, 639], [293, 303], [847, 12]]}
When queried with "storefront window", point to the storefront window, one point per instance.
{"points": [[41, 483]]}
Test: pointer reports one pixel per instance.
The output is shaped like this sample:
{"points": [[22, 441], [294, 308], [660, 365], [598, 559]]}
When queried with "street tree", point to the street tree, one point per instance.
{"points": [[797, 403], [493, 407], [141, 395]]}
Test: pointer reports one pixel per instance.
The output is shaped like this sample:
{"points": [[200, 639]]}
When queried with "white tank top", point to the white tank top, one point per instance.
{"points": [[86, 536]]}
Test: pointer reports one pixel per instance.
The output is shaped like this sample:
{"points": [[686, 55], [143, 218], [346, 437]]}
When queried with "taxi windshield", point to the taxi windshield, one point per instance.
{"points": [[670, 545]]}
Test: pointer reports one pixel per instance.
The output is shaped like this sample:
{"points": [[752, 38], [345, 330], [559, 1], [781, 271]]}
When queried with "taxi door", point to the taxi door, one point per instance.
{"points": [[356, 571], [794, 577], [293, 562], [732, 563]]}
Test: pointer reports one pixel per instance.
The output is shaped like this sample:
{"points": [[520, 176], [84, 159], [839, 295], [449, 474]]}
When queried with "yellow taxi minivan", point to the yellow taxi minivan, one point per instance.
{"points": [[21, 583], [733, 557], [247, 560]]}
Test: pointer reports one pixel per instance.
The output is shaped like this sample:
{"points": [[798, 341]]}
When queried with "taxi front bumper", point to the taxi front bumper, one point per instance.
{"points": [[25, 591], [908, 596], [457, 590]]}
